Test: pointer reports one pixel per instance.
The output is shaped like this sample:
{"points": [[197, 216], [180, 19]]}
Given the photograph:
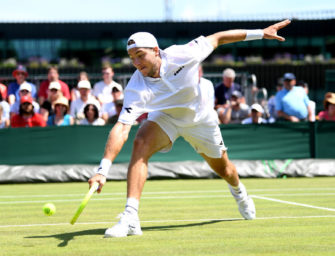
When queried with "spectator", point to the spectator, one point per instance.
{"points": [[118, 108], [5, 108], [256, 115], [224, 90], [103, 90], [292, 102], [53, 76], [3, 91], [24, 90], [27, 117], [74, 91], [60, 116], [328, 114], [311, 104], [236, 110], [48, 106], [272, 101], [77, 107], [109, 109], [4, 121], [20, 74], [91, 113]]}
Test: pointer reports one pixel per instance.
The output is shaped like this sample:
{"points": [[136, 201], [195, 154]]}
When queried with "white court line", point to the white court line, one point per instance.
{"points": [[169, 192], [155, 197], [293, 203], [167, 221]]}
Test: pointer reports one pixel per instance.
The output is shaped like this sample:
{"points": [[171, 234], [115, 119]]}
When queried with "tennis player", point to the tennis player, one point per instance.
{"points": [[166, 85]]}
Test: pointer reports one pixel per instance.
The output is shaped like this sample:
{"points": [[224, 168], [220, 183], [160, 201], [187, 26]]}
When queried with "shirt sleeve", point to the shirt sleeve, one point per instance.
{"points": [[198, 49], [132, 108]]}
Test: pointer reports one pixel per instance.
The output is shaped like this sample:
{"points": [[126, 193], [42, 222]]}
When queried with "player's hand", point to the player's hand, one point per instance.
{"points": [[271, 31], [101, 179]]}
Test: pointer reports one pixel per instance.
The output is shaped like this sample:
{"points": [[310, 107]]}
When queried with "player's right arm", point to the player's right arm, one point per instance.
{"points": [[116, 139]]}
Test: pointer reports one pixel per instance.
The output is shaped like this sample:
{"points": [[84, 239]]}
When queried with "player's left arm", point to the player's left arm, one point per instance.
{"points": [[237, 35]]}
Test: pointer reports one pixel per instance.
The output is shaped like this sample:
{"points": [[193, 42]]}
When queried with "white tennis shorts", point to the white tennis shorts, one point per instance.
{"points": [[204, 138]]}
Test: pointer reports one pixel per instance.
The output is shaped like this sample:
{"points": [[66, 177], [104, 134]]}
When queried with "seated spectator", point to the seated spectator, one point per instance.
{"points": [[4, 121], [272, 102], [292, 102], [53, 76], [91, 113], [24, 90], [27, 117], [328, 114], [118, 108], [48, 106], [236, 110], [77, 106], [74, 91], [312, 104], [103, 90], [3, 91], [256, 115], [60, 116], [109, 109], [224, 90], [5, 107], [20, 74]]}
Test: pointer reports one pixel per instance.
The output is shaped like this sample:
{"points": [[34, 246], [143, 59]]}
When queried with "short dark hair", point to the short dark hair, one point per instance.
{"points": [[95, 109]]}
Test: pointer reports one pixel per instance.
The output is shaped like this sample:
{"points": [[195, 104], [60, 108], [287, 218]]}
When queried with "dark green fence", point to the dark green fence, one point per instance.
{"points": [[85, 144]]}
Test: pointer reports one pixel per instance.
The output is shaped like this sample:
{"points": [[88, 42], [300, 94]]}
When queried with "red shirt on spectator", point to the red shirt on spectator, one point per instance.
{"points": [[34, 121], [43, 91], [3, 91]]}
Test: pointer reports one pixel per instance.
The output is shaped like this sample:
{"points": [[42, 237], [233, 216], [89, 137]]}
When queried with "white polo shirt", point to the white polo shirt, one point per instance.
{"points": [[177, 92]]}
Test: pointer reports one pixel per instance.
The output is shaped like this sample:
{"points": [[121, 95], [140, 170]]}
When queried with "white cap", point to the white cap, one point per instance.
{"points": [[54, 85], [117, 86], [141, 39], [25, 86], [228, 72], [257, 107], [84, 84]]}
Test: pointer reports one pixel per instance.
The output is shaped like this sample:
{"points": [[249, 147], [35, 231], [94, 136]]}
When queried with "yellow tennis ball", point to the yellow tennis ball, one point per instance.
{"points": [[49, 209]]}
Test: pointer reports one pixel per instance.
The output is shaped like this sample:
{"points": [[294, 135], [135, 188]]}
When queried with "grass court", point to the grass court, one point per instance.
{"points": [[295, 216]]}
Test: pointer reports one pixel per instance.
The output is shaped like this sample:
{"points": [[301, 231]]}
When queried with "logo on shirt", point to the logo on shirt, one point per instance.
{"points": [[128, 110], [178, 70]]}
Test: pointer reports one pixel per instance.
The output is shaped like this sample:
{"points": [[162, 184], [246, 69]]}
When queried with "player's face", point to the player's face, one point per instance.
{"points": [[146, 60]]}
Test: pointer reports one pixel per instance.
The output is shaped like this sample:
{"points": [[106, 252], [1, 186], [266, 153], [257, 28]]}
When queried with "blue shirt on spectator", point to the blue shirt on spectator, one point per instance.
{"points": [[13, 88], [293, 102], [223, 93], [66, 121]]}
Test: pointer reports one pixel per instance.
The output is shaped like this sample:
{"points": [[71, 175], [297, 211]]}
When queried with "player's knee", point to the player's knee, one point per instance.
{"points": [[141, 145]]}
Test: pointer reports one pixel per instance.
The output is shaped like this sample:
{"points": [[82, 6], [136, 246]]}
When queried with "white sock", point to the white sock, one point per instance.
{"points": [[132, 205], [237, 190]]}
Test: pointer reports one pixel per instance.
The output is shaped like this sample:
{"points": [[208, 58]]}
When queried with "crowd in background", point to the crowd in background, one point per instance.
{"points": [[22, 104]]}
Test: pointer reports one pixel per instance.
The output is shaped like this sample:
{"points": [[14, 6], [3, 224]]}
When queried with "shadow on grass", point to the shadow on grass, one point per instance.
{"points": [[172, 227], [67, 237]]}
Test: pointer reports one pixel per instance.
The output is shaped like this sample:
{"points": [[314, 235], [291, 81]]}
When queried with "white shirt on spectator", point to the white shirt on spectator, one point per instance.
{"points": [[109, 109], [104, 91], [98, 121], [77, 106]]}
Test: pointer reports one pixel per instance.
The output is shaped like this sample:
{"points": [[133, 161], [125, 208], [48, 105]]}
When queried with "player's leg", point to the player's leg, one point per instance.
{"points": [[227, 170], [207, 140], [223, 167], [149, 139]]}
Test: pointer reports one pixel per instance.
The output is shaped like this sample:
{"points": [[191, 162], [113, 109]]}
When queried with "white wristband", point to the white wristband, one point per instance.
{"points": [[104, 167], [254, 34]]}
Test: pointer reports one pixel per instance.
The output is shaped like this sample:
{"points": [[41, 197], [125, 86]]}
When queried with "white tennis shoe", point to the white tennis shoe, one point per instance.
{"points": [[246, 205], [129, 224]]}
